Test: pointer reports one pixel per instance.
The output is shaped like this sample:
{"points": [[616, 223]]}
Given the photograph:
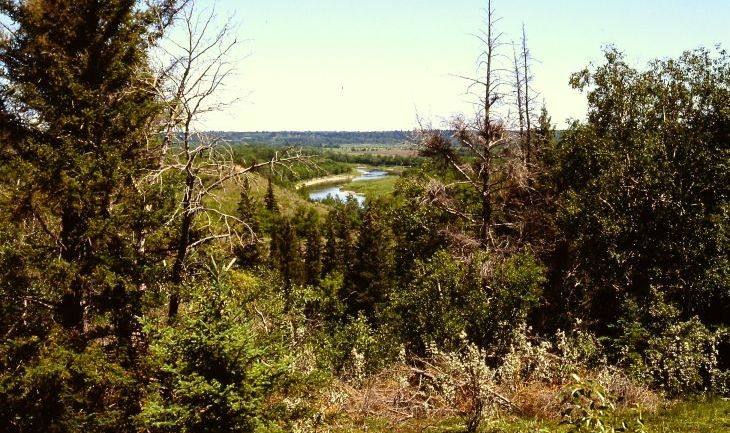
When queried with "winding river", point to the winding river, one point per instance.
{"points": [[339, 192]]}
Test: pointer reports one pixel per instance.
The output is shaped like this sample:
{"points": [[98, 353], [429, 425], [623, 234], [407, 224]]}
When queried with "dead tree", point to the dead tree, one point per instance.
{"points": [[528, 98], [475, 146], [200, 164], [485, 153]]}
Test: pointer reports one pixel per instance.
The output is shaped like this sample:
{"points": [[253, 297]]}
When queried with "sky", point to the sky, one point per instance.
{"points": [[384, 64]]}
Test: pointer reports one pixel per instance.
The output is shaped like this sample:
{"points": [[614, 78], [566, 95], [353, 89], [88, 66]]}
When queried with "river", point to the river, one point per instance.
{"points": [[339, 193]]}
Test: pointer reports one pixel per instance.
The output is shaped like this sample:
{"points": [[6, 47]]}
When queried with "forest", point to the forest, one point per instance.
{"points": [[157, 277]]}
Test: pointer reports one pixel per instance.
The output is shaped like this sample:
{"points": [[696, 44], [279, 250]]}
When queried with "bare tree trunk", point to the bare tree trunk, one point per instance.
{"points": [[520, 105], [182, 248], [526, 79]]}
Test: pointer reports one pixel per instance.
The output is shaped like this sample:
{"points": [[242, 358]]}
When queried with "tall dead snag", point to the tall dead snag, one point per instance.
{"points": [[524, 98], [199, 164], [475, 145], [518, 93], [528, 98], [485, 154]]}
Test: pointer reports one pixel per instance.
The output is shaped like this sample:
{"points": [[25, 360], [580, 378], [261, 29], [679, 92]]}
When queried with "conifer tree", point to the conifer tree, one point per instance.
{"points": [[270, 199], [313, 255], [77, 113], [249, 252], [78, 108], [330, 259], [288, 257], [370, 278]]}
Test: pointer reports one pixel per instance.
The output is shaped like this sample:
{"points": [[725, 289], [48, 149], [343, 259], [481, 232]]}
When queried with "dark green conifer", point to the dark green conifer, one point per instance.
{"points": [[77, 113], [270, 199], [313, 256], [371, 276], [249, 252]]}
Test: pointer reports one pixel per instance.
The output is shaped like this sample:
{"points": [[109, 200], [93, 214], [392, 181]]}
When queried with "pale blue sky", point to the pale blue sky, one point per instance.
{"points": [[378, 64]]}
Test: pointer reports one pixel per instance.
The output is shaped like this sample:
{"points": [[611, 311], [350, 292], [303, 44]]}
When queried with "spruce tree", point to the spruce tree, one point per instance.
{"points": [[286, 254], [371, 276], [77, 113], [270, 199], [249, 252], [313, 256], [330, 260]]}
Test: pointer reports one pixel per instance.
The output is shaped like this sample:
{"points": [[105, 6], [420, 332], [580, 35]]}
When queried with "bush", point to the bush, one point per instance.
{"points": [[500, 295], [659, 348], [62, 386], [217, 371], [588, 408], [466, 381], [683, 359]]}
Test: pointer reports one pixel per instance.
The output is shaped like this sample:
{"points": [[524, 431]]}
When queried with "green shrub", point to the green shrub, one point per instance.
{"points": [[216, 371], [588, 408], [58, 385], [683, 359]]}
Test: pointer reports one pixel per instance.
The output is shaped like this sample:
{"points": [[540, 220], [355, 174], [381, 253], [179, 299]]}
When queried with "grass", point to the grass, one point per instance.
{"points": [[287, 199], [373, 188], [698, 416], [694, 416]]}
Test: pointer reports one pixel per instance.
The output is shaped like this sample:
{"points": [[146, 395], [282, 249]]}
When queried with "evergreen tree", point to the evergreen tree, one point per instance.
{"points": [[286, 254], [77, 110], [330, 260], [249, 252], [370, 278], [313, 256], [270, 199]]}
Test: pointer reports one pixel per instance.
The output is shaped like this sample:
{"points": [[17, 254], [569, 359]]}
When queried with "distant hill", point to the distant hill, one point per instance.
{"points": [[317, 138]]}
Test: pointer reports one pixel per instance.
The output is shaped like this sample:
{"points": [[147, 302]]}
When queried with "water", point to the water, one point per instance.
{"points": [[370, 175], [336, 191]]}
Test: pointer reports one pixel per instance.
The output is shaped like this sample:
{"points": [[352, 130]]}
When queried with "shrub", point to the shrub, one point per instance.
{"points": [[588, 408], [683, 359], [466, 381], [217, 371]]}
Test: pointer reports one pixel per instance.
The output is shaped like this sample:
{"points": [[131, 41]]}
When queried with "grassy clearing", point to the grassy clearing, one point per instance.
{"points": [[287, 199], [699, 416], [373, 188]]}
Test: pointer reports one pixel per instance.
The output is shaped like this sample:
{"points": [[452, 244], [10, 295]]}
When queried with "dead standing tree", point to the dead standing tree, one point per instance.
{"points": [[475, 146], [487, 157], [200, 164], [525, 99]]}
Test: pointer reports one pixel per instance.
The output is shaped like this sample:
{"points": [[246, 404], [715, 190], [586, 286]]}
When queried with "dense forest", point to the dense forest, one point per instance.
{"points": [[159, 278]]}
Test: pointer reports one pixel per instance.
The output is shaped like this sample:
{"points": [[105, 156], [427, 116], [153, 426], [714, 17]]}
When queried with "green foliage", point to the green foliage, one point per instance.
{"points": [[466, 381], [270, 199], [644, 184], [588, 408], [250, 251], [675, 355], [77, 110], [357, 350], [683, 358], [370, 278], [55, 385], [431, 308], [286, 253], [218, 371]]}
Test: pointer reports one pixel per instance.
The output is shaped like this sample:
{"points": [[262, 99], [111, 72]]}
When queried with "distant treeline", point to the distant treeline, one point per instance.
{"points": [[317, 138]]}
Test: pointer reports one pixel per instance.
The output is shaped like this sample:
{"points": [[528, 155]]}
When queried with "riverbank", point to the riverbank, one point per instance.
{"points": [[343, 178], [340, 187], [335, 178]]}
